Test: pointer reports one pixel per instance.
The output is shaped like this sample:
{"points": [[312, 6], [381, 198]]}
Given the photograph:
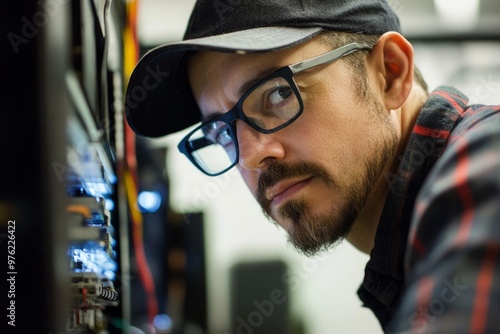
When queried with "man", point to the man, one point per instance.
{"points": [[319, 106]]}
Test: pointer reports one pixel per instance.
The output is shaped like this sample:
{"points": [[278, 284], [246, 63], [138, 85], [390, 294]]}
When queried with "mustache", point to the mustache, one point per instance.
{"points": [[278, 171]]}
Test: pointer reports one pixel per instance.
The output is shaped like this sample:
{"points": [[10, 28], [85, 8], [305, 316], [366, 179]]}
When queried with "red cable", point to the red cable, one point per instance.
{"points": [[131, 169]]}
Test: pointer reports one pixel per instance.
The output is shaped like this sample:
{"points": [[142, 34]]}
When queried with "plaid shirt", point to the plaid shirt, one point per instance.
{"points": [[435, 267]]}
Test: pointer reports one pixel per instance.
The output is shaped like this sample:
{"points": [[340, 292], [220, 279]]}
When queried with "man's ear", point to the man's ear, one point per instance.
{"points": [[392, 60]]}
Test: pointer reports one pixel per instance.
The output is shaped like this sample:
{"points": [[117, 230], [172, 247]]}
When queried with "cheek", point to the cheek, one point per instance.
{"points": [[323, 132], [336, 135]]}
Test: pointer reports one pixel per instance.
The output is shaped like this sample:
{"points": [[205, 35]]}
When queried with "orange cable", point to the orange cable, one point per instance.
{"points": [[131, 57]]}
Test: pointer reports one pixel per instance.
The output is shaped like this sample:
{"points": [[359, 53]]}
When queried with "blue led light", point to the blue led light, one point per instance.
{"points": [[93, 260], [162, 322], [110, 274], [110, 205], [149, 201]]}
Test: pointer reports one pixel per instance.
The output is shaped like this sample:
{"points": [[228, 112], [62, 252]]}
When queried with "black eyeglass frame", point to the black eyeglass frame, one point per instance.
{"points": [[236, 113]]}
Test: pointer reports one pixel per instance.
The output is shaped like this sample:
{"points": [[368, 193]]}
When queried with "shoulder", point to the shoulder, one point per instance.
{"points": [[454, 243], [475, 116], [463, 185]]}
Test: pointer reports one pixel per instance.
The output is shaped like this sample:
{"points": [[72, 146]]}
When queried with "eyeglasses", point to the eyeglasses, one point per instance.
{"points": [[271, 104]]}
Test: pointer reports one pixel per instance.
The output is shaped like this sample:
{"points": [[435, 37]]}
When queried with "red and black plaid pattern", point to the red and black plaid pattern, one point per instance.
{"points": [[435, 267]]}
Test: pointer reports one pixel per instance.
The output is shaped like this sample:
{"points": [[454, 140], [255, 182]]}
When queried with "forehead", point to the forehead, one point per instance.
{"points": [[207, 60], [217, 76]]}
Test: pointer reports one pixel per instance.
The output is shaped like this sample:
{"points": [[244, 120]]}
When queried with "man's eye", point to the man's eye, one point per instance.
{"points": [[223, 137], [279, 95], [216, 132]]}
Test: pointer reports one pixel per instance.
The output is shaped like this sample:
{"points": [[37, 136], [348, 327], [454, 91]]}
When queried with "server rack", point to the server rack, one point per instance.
{"points": [[63, 230]]}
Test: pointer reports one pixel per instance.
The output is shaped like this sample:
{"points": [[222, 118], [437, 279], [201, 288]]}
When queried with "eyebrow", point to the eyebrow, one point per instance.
{"points": [[259, 76], [243, 89]]}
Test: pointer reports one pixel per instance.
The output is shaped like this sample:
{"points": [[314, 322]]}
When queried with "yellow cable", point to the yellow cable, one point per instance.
{"points": [[131, 192]]}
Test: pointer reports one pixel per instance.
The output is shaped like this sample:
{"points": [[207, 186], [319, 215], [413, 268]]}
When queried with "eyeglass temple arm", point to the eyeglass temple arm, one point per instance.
{"points": [[328, 57]]}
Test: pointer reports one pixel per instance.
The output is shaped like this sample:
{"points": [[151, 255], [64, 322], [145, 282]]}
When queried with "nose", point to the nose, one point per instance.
{"points": [[257, 149]]}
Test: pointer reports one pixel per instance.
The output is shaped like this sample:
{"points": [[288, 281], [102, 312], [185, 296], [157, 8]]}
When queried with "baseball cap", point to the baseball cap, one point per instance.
{"points": [[158, 98]]}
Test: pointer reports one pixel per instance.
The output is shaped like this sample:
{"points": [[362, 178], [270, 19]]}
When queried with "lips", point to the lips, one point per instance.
{"points": [[285, 189]]}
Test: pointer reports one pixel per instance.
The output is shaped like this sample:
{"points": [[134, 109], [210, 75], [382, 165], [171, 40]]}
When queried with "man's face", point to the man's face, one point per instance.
{"points": [[313, 177]]}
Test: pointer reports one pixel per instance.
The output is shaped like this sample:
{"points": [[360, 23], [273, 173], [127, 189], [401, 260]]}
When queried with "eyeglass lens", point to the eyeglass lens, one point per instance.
{"points": [[268, 106]]}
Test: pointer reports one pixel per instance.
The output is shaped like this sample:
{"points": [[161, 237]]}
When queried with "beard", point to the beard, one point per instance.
{"points": [[312, 234]]}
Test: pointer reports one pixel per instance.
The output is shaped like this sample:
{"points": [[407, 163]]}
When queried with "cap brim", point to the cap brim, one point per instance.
{"points": [[158, 99]]}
